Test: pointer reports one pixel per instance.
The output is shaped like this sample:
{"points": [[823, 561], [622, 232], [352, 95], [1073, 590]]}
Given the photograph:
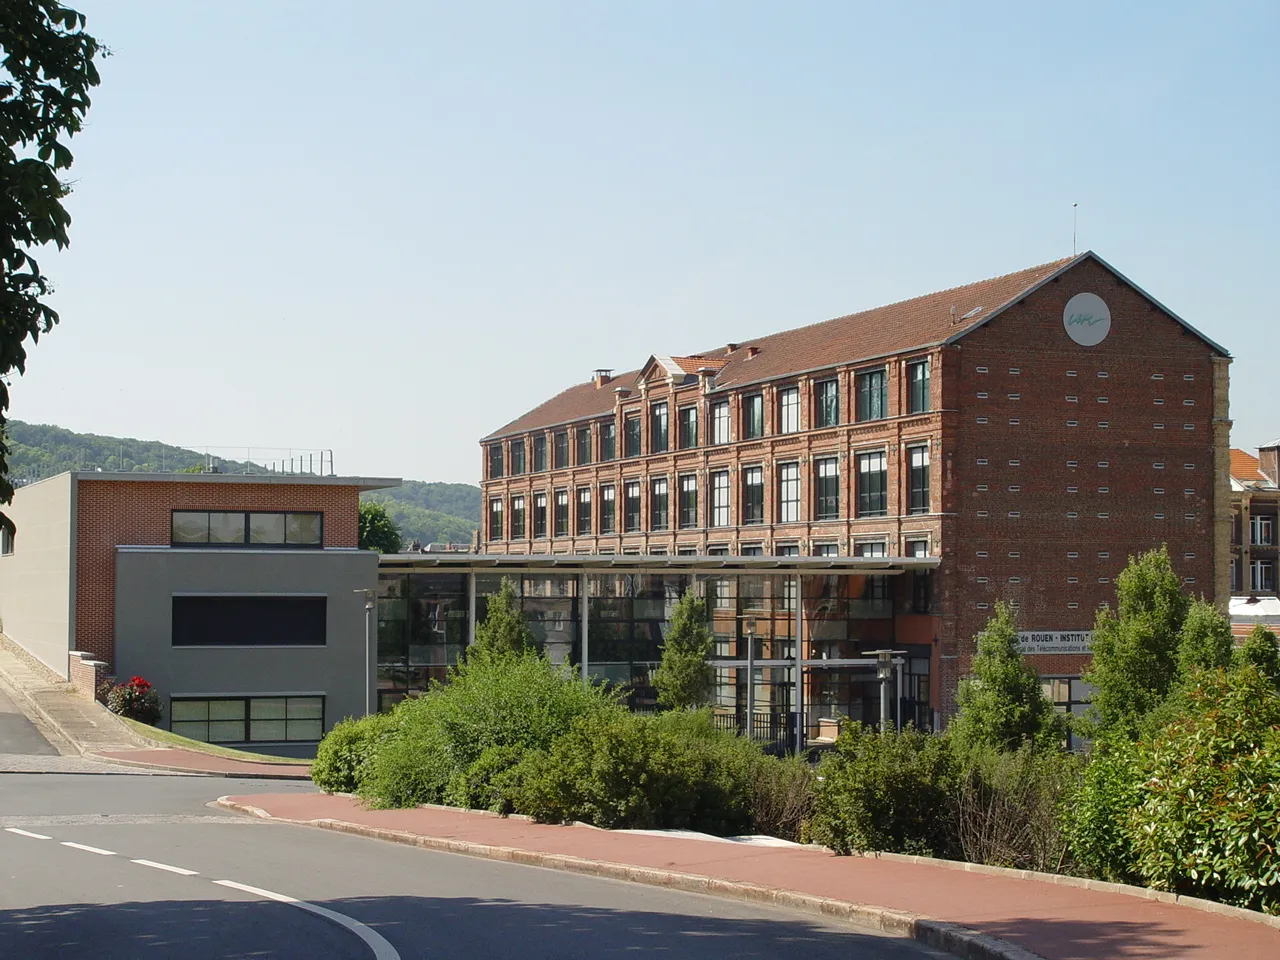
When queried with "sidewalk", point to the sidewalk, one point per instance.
{"points": [[1049, 920], [82, 728]]}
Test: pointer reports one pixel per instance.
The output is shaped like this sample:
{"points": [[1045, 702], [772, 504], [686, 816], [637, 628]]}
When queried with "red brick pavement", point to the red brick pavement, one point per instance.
{"points": [[1056, 922]]}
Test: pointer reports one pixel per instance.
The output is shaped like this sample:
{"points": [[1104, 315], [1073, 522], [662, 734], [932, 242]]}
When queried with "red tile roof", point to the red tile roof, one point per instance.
{"points": [[1244, 467], [906, 325]]}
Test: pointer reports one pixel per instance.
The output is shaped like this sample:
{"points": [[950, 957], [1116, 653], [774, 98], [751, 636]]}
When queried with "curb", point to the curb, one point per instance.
{"points": [[960, 941], [165, 768], [1083, 883]]}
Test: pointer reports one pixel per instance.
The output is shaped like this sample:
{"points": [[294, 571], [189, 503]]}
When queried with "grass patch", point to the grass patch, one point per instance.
{"points": [[170, 739]]}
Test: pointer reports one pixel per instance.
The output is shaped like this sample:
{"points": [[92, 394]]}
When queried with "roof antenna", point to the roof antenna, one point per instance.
{"points": [[1074, 217]]}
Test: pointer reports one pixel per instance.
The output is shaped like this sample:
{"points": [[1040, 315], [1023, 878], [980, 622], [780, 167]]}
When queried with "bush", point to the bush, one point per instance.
{"points": [[782, 798], [1008, 808], [344, 754], [136, 700], [684, 677], [888, 791], [1208, 824], [493, 701], [1095, 815]]}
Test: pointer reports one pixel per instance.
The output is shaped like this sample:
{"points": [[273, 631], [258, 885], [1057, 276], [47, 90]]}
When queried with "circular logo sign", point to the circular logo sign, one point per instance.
{"points": [[1087, 319]]}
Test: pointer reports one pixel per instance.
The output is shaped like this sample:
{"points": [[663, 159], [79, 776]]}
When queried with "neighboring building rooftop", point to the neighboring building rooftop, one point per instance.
{"points": [[1246, 472], [1247, 611], [920, 322], [362, 483]]}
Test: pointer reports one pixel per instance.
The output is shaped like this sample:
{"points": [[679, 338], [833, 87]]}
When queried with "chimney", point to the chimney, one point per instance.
{"points": [[1267, 461], [730, 347], [600, 376], [622, 392], [752, 351]]}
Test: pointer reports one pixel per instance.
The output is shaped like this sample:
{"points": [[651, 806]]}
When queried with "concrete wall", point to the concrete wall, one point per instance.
{"points": [[146, 579], [35, 580]]}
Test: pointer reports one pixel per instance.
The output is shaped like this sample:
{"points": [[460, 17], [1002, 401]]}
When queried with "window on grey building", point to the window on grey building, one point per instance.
{"points": [[607, 508], [720, 498], [608, 440], [688, 501], [249, 621], [517, 457], [517, 518], [658, 428], [631, 436], [658, 516], [752, 417], [918, 386], [789, 493], [752, 495], [561, 515], [918, 479], [631, 506], [871, 395], [826, 500], [826, 403], [582, 455], [495, 519], [873, 500], [560, 449], [789, 410], [540, 453], [495, 461], [539, 516], [720, 422], [688, 428], [584, 512], [248, 719]]}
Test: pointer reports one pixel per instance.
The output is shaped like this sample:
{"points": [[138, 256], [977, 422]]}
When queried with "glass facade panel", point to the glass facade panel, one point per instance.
{"points": [[266, 528], [303, 529], [226, 527], [190, 527]]}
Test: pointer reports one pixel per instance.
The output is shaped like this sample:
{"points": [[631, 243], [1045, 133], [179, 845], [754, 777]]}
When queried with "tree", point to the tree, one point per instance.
{"points": [[49, 69], [1001, 705], [377, 530], [1260, 649], [503, 630], [1135, 648], [683, 678], [1205, 638]]}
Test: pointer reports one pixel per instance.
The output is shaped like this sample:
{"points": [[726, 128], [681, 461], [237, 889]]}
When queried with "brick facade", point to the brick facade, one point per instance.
{"points": [[112, 512]]}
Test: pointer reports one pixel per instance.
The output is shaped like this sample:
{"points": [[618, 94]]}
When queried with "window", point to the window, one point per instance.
{"points": [[584, 512], [720, 498], [752, 417], [517, 457], [789, 493], [658, 519], [753, 495], [561, 517], [717, 551], [540, 453], [826, 550], [658, 428], [6, 542], [918, 479], [1262, 576], [517, 518], [688, 428], [871, 395], [631, 436], [495, 519], [608, 440], [754, 550], [238, 529], [918, 386], [248, 719], [688, 501], [788, 550], [582, 455], [921, 580], [631, 506], [873, 494], [789, 410], [1262, 531], [826, 403], [495, 461], [874, 548], [249, 621], [720, 422], [826, 500], [560, 449], [539, 515], [607, 508]]}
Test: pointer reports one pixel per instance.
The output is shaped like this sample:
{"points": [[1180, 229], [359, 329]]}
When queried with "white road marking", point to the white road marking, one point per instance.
{"points": [[28, 833], [382, 950], [88, 849], [164, 866]]}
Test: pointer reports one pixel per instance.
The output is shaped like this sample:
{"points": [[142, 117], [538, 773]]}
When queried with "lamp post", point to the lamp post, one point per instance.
{"points": [[750, 625], [370, 602], [884, 673]]}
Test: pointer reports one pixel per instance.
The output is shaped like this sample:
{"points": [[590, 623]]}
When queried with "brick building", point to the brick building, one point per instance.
{"points": [[1030, 431], [1255, 521], [236, 595]]}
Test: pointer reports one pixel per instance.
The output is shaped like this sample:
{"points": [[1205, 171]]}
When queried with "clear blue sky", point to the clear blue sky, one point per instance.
{"points": [[298, 224]]}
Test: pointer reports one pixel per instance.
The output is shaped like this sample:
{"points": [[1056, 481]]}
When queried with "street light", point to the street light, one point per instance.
{"points": [[884, 673], [750, 625], [370, 603]]}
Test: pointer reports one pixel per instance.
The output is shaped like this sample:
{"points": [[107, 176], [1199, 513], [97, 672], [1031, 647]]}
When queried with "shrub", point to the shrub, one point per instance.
{"points": [[1095, 815], [683, 679], [1008, 804], [136, 700], [503, 629], [1208, 824], [344, 754], [782, 798], [887, 791], [1261, 650]]}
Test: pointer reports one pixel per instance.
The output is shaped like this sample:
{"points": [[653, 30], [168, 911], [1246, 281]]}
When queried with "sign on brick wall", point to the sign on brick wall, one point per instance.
{"points": [[1055, 641]]}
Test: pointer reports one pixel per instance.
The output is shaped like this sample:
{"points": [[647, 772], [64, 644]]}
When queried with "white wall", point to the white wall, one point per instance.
{"points": [[35, 580]]}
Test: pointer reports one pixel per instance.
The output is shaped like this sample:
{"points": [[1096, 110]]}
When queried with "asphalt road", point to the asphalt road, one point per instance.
{"points": [[17, 734], [82, 892]]}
